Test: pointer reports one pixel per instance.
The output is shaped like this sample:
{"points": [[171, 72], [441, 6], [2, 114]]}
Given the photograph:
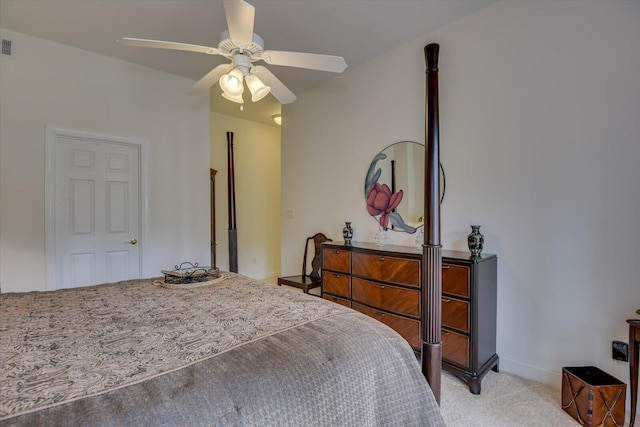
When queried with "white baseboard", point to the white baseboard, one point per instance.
{"points": [[531, 372]]}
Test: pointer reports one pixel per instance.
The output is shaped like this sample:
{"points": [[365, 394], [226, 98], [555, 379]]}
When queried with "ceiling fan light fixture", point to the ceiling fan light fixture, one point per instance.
{"points": [[231, 83], [258, 89], [234, 98]]}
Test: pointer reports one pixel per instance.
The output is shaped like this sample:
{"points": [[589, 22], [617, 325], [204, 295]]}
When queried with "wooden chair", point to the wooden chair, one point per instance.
{"points": [[313, 279]]}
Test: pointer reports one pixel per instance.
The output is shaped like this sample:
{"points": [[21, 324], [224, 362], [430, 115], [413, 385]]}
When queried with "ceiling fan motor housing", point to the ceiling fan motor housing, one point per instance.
{"points": [[242, 62], [229, 46]]}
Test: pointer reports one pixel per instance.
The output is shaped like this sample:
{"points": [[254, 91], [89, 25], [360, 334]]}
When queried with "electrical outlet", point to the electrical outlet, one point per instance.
{"points": [[620, 351]]}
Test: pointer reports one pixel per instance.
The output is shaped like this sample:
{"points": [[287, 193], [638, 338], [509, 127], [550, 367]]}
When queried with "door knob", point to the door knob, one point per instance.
{"points": [[133, 241]]}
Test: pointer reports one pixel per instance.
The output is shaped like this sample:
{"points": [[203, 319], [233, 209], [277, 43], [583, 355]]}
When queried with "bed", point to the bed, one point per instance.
{"points": [[235, 352]]}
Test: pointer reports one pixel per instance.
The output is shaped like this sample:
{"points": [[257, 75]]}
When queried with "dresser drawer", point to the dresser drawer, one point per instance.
{"points": [[386, 297], [336, 260], [337, 300], [455, 348], [455, 280], [455, 314], [390, 269], [409, 329], [336, 283]]}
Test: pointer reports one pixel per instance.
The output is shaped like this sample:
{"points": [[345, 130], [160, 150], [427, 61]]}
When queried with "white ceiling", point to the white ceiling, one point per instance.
{"points": [[358, 30]]}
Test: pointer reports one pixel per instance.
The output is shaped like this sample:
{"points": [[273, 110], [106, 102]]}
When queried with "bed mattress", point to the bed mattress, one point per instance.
{"points": [[236, 352]]}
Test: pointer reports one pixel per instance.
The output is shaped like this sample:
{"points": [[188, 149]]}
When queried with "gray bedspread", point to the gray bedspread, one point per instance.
{"points": [[238, 352]]}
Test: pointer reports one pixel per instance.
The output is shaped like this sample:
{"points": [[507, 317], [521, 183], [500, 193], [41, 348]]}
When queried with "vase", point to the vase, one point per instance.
{"points": [[347, 233], [475, 239], [419, 239], [381, 237]]}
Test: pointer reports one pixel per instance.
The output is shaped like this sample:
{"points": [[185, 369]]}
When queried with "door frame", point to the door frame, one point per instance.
{"points": [[52, 133]]}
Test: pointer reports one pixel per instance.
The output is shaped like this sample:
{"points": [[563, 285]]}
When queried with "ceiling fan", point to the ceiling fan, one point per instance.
{"points": [[240, 45]]}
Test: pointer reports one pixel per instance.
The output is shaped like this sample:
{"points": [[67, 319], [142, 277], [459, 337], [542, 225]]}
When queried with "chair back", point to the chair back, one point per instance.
{"points": [[317, 239]]}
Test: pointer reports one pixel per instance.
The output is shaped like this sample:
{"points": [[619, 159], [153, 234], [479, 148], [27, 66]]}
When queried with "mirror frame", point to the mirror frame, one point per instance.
{"points": [[394, 220]]}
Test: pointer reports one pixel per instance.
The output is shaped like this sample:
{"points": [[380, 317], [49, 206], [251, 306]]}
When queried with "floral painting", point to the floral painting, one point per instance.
{"points": [[381, 202]]}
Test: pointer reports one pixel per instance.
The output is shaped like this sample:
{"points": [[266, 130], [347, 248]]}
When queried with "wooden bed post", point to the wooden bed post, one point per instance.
{"points": [[431, 248], [233, 232]]}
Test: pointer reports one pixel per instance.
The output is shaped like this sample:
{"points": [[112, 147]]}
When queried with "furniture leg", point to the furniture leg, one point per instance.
{"points": [[474, 385], [634, 352]]}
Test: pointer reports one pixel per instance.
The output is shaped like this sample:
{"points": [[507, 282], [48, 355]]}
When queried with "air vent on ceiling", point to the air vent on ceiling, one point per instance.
{"points": [[8, 47]]}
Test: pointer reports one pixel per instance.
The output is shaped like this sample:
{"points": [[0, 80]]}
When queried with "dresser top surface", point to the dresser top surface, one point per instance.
{"points": [[406, 250]]}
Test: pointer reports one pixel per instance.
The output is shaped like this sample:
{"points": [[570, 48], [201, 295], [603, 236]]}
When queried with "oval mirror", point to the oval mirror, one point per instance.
{"points": [[394, 187]]}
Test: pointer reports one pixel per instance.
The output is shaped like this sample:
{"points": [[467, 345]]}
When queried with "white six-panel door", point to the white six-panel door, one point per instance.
{"points": [[96, 210]]}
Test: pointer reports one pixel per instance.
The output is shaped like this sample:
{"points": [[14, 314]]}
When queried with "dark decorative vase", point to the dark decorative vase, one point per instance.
{"points": [[475, 239], [347, 233]]}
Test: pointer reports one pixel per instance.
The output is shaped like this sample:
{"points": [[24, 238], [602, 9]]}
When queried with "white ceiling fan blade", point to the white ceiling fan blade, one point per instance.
{"points": [[128, 41], [210, 79], [312, 61], [278, 89], [240, 19]]}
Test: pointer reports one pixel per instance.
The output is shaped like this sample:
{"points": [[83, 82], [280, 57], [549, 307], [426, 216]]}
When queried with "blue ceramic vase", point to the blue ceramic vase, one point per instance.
{"points": [[475, 239], [347, 233]]}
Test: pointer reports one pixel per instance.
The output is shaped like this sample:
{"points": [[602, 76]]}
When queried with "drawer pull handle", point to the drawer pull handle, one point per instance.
{"points": [[380, 258], [334, 299], [380, 286], [446, 267], [446, 300], [336, 275], [380, 314], [336, 251], [445, 333]]}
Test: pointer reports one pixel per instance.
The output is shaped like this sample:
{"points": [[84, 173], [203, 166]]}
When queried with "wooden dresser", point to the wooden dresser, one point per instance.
{"points": [[385, 283]]}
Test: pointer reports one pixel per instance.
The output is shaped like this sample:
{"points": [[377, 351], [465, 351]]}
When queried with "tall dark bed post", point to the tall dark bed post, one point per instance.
{"points": [[233, 232], [431, 248]]}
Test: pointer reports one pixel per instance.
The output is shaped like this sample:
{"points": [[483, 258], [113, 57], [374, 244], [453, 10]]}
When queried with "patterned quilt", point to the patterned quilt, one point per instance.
{"points": [[134, 353]]}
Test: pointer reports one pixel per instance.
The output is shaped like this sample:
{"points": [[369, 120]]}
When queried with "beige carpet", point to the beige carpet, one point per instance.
{"points": [[505, 401]]}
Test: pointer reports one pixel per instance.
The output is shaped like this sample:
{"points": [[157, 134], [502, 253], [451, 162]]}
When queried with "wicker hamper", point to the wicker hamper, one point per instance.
{"points": [[593, 397]]}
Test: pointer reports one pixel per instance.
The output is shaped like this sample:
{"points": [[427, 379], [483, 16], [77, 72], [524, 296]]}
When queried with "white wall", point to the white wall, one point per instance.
{"points": [[49, 84], [256, 149], [540, 109]]}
